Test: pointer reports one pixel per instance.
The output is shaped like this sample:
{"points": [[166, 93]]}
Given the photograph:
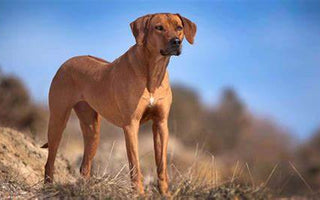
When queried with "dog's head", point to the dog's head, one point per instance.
{"points": [[163, 33]]}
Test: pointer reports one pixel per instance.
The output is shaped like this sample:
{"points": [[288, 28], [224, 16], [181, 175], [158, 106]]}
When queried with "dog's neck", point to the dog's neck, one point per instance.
{"points": [[151, 67]]}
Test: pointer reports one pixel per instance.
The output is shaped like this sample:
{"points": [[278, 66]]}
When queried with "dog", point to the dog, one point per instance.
{"points": [[127, 92]]}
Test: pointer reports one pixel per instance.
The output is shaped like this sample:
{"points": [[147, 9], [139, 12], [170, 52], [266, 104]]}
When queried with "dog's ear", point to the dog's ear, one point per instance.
{"points": [[139, 28], [189, 29]]}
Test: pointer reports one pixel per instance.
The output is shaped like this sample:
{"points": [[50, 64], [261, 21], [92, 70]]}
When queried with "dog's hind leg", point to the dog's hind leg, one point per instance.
{"points": [[90, 126], [59, 115]]}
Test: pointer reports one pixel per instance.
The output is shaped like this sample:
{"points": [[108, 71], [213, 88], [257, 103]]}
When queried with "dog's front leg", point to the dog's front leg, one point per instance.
{"points": [[131, 136], [160, 137]]}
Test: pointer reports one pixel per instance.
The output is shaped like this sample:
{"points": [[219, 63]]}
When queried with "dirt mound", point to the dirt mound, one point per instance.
{"points": [[22, 161]]}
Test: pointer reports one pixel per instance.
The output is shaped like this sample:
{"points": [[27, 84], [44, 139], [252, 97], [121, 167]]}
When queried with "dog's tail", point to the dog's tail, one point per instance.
{"points": [[45, 146]]}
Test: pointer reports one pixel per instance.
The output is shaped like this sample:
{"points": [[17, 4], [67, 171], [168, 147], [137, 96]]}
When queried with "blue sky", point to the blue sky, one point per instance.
{"points": [[269, 51]]}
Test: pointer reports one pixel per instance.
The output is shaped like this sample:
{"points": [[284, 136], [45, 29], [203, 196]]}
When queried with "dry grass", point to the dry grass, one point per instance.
{"points": [[193, 183], [184, 189], [118, 187], [203, 179]]}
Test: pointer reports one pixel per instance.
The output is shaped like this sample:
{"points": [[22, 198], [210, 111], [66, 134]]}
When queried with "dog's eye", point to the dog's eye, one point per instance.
{"points": [[179, 28], [160, 28]]}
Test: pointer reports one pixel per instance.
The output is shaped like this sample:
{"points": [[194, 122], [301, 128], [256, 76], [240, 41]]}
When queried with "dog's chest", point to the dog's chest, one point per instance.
{"points": [[151, 99]]}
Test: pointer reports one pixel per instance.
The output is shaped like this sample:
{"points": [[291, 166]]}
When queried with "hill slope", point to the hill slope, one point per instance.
{"points": [[22, 163]]}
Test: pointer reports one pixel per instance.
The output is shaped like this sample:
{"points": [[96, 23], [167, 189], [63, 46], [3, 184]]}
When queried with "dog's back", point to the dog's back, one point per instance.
{"points": [[75, 75]]}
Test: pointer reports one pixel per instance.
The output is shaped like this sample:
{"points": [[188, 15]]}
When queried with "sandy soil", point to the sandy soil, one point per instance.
{"points": [[22, 163]]}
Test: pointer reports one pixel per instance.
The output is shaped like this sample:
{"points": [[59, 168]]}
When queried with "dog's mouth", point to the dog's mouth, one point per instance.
{"points": [[171, 52]]}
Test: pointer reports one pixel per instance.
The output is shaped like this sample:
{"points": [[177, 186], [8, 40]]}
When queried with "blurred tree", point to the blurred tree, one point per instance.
{"points": [[263, 146], [186, 115], [231, 133], [16, 109], [309, 159], [226, 123]]}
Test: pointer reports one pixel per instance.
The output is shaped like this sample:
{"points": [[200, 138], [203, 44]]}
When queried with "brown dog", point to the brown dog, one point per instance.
{"points": [[127, 92]]}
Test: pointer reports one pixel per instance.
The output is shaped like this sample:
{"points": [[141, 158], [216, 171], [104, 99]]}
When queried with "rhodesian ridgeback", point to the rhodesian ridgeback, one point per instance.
{"points": [[127, 92]]}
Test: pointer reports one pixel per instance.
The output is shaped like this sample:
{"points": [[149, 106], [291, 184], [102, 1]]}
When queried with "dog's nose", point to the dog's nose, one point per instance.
{"points": [[175, 41]]}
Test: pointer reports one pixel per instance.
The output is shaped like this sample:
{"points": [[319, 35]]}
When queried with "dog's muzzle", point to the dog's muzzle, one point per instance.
{"points": [[173, 49]]}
